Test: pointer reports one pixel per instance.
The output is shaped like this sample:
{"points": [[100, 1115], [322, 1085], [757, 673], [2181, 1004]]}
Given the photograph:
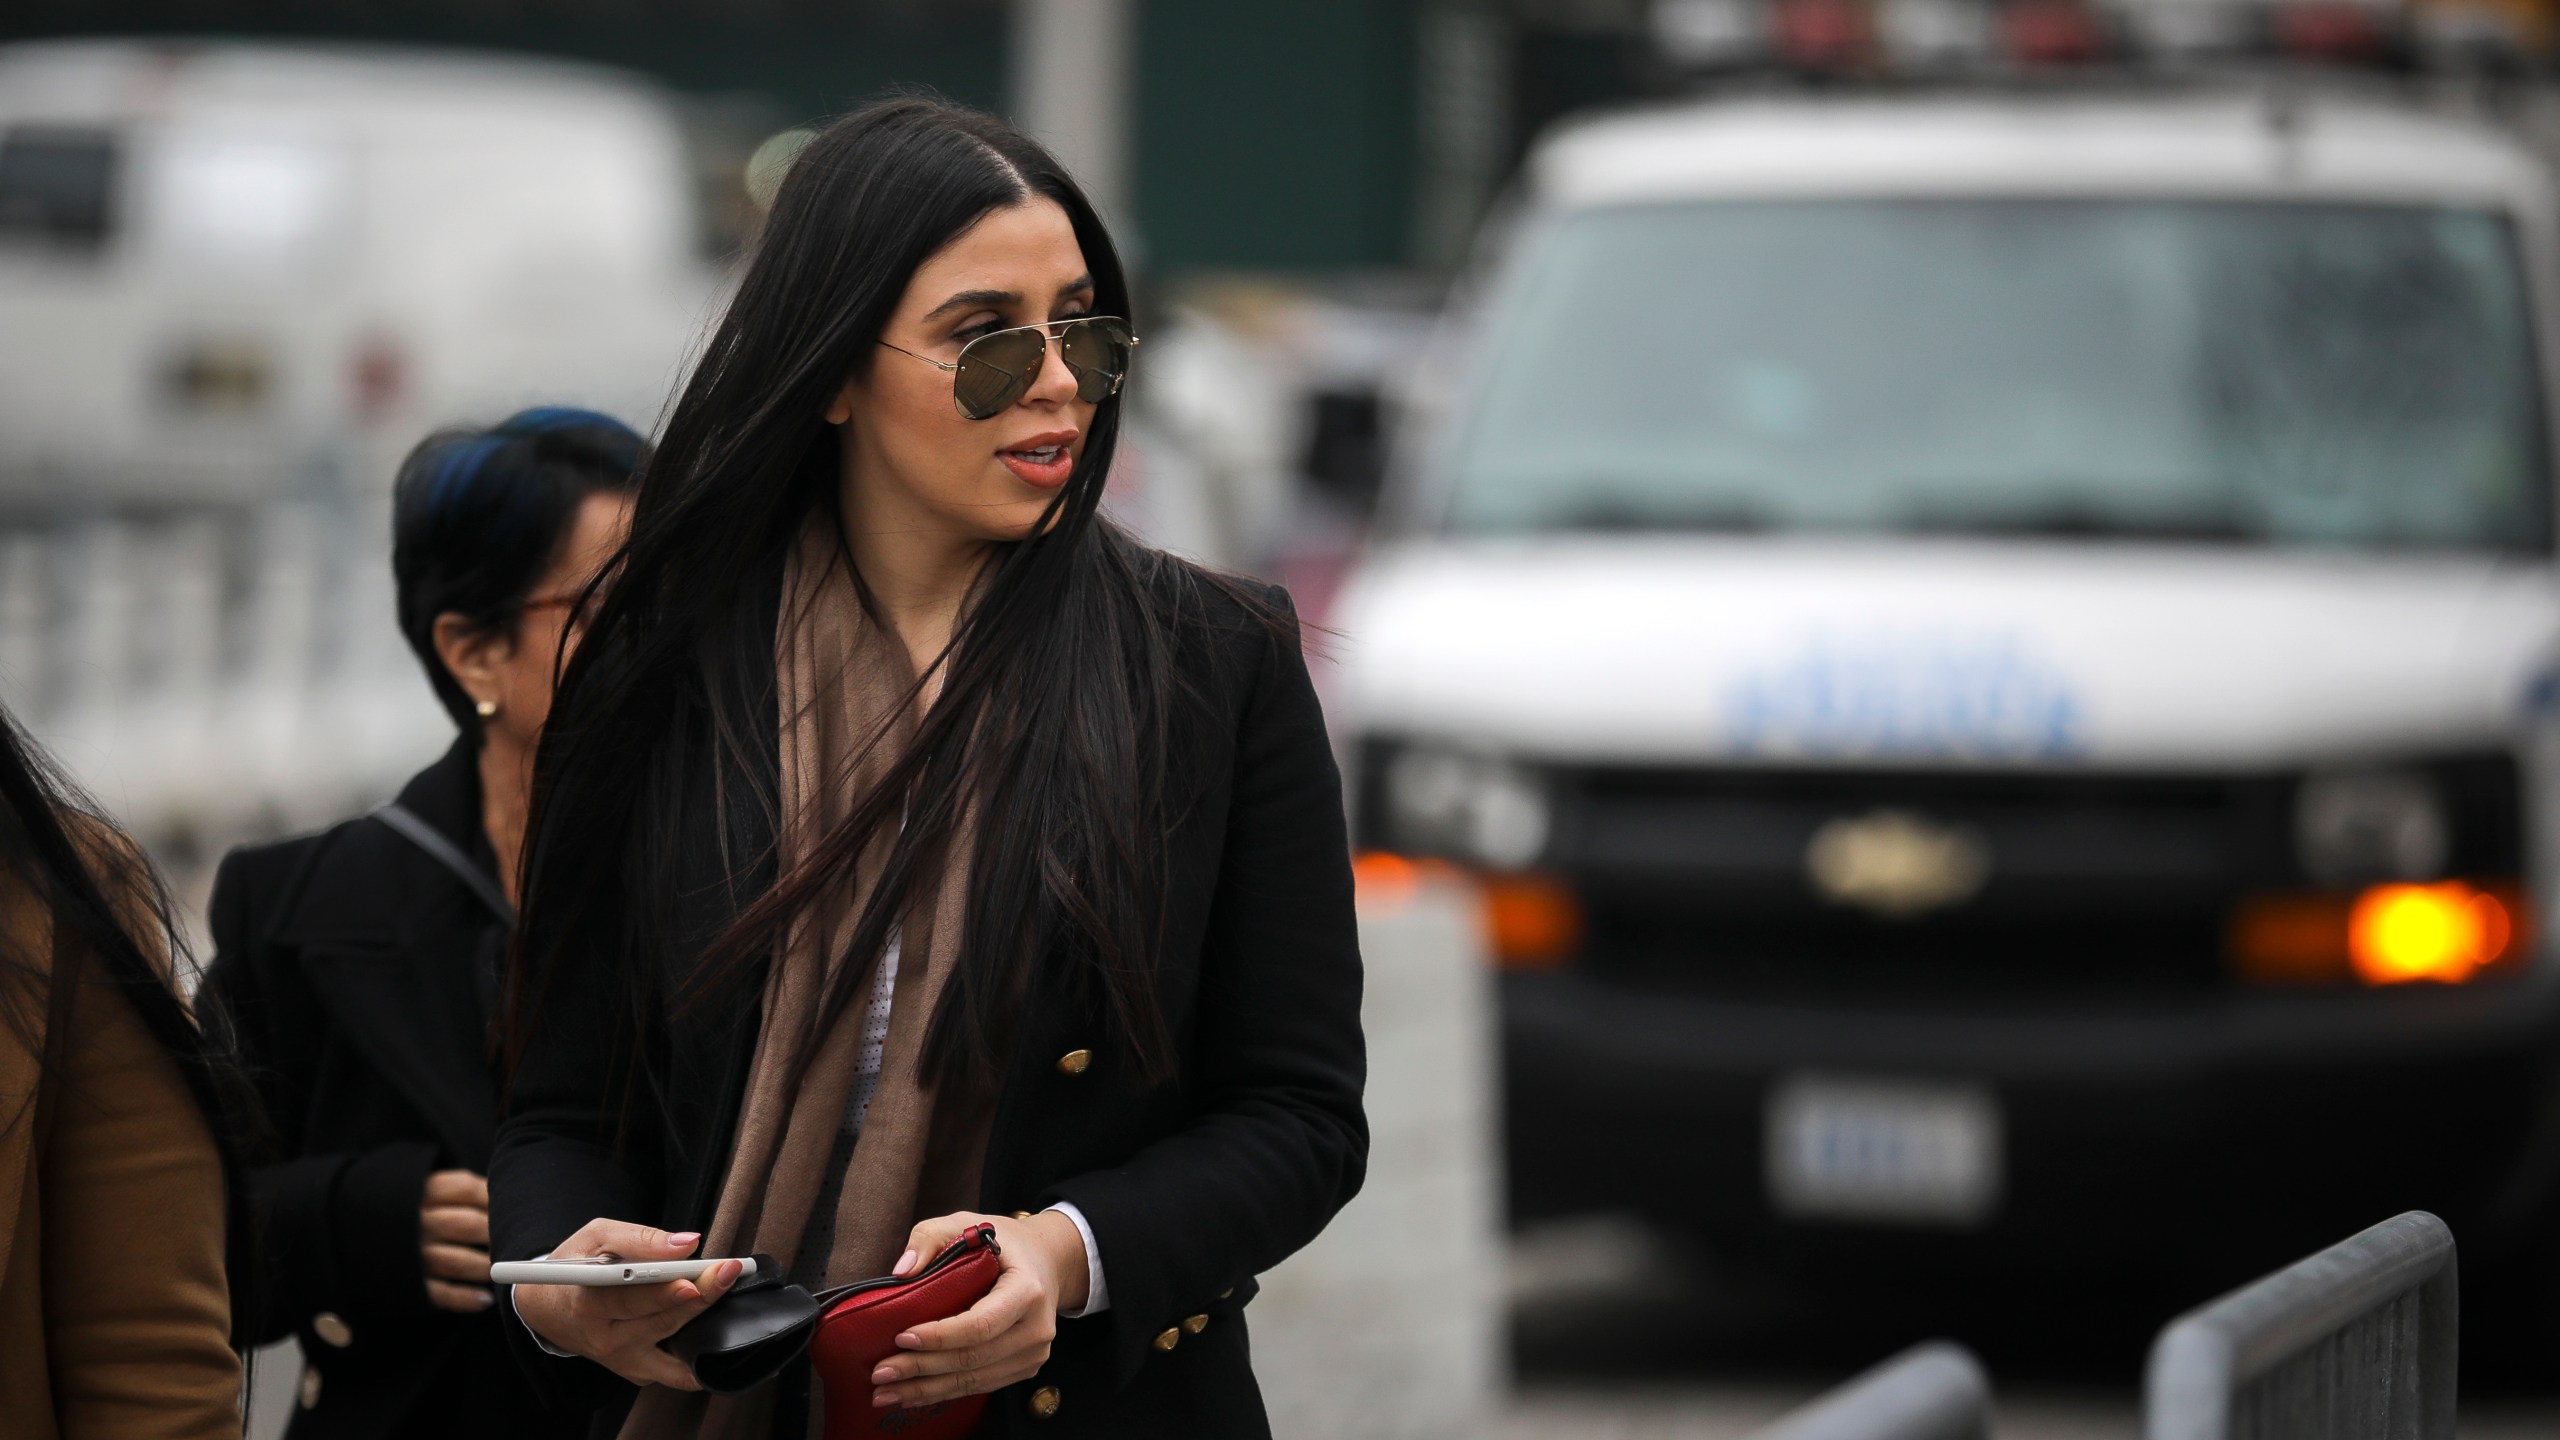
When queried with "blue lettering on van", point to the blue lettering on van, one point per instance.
{"points": [[1969, 697], [2541, 698]]}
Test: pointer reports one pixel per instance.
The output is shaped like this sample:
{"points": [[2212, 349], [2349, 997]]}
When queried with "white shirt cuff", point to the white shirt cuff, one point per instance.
{"points": [[1097, 1295], [547, 1347]]}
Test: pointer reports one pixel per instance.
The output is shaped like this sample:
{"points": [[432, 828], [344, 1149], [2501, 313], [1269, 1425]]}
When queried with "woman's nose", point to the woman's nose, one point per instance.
{"points": [[1055, 384]]}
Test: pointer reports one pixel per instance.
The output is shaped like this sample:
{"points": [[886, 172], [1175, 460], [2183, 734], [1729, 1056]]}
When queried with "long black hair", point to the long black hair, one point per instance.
{"points": [[108, 927], [479, 515], [1052, 719]]}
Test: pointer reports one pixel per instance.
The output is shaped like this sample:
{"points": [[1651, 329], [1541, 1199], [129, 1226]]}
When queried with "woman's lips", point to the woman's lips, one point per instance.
{"points": [[1043, 460]]}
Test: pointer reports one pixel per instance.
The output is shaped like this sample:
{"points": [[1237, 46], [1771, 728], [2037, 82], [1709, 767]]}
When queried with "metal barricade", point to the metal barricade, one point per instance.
{"points": [[1929, 1392], [2358, 1342]]}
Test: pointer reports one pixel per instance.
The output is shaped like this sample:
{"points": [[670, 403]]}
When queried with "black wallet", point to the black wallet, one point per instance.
{"points": [[749, 1334]]}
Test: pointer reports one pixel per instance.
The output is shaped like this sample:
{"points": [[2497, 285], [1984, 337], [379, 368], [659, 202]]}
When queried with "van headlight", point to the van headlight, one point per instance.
{"points": [[2357, 826], [1466, 804]]}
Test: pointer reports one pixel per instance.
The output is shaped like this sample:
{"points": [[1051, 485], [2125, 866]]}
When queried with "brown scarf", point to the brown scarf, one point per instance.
{"points": [[845, 684]]}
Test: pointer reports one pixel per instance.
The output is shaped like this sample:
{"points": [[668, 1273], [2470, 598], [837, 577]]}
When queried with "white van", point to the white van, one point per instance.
{"points": [[1994, 654], [237, 283], [222, 265]]}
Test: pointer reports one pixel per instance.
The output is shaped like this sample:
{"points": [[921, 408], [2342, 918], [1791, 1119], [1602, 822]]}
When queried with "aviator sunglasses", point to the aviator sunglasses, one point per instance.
{"points": [[997, 368]]}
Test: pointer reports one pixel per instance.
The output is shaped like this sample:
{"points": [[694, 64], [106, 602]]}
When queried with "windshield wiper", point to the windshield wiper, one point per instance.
{"points": [[2075, 522], [1618, 514], [1601, 512]]}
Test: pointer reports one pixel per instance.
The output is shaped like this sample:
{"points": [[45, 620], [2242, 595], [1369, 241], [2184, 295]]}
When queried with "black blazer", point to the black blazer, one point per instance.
{"points": [[1191, 1188], [358, 973]]}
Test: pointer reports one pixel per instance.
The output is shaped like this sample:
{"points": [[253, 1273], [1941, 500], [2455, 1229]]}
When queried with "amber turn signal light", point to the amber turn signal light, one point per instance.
{"points": [[1531, 921], [2447, 932], [1382, 877]]}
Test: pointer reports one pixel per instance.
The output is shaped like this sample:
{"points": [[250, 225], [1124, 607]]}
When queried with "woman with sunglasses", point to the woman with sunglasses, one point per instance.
{"points": [[913, 850], [360, 967]]}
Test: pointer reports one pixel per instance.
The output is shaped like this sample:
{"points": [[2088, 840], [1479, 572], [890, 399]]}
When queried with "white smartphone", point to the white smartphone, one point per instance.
{"points": [[604, 1270]]}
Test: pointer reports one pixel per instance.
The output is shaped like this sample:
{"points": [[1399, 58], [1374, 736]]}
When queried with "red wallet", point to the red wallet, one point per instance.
{"points": [[858, 1327]]}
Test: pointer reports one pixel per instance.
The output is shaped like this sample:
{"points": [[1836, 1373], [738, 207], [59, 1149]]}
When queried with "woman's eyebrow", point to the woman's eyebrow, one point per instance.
{"points": [[974, 299], [1000, 299]]}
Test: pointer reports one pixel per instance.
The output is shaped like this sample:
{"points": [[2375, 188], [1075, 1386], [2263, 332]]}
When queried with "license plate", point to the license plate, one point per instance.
{"points": [[1843, 1148]]}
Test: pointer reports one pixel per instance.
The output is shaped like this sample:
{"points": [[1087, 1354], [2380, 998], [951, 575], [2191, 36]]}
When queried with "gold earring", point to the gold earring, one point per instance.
{"points": [[487, 708]]}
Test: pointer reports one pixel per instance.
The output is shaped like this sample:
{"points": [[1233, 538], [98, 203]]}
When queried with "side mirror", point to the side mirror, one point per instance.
{"points": [[1346, 452]]}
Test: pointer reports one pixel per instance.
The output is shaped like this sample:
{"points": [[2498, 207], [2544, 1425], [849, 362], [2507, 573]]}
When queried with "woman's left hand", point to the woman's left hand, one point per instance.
{"points": [[1004, 1337]]}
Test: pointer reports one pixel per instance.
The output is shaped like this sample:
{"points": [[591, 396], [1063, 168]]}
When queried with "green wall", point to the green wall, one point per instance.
{"points": [[1266, 134], [1275, 135], [805, 59]]}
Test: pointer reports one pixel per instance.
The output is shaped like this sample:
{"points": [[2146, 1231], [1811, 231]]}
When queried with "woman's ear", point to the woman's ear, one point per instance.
{"points": [[840, 409], [473, 655]]}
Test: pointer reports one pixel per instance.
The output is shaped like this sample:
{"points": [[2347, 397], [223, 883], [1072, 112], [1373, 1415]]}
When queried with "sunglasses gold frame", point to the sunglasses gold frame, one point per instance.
{"points": [[1047, 330]]}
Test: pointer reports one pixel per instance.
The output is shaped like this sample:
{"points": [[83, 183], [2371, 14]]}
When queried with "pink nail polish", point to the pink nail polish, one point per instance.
{"points": [[904, 1262], [908, 1339], [883, 1399], [883, 1375]]}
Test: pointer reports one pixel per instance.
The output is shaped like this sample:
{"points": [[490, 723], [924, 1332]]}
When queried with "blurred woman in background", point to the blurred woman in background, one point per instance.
{"points": [[117, 1181], [360, 966]]}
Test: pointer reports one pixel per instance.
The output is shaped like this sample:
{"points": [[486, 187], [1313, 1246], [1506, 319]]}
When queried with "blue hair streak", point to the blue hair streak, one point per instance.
{"points": [[458, 467], [462, 463], [543, 419]]}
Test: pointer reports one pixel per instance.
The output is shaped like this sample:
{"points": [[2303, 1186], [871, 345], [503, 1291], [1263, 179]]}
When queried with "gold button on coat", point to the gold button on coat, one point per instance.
{"points": [[1075, 1062], [1196, 1324], [1227, 1294], [1044, 1401], [332, 1330], [310, 1388], [1021, 1214], [1171, 1336]]}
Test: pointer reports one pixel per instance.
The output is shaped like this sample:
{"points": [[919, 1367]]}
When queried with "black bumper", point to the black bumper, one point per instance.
{"points": [[2243, 1129]]}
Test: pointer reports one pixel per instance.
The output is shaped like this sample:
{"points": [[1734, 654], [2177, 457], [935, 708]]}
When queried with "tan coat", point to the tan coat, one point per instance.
{"points": [[115, 1316]]}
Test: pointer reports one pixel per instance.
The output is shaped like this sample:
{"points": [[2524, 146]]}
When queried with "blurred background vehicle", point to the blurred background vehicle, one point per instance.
{"points": [[237, 281], [227, 261]]}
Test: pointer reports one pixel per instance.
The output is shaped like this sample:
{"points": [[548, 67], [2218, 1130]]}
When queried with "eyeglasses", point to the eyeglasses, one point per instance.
{"points": [[578, 613], [998, 368]]}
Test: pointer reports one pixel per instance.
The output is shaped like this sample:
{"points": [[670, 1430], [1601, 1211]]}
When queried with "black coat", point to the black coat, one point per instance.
{"points": [[358, 972], [1191, 1188]]}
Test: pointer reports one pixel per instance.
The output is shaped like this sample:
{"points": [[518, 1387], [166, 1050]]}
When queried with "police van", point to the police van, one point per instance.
{"points": [[1992, 656]]}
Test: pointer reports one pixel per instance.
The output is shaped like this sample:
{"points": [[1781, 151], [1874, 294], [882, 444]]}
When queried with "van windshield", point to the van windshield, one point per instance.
{"points": [[57, 187], [2344, 375]]}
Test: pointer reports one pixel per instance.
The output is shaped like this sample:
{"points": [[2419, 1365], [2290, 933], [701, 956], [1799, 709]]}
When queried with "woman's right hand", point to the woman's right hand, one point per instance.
{"points": [[453, 1240], [619, 1326]]}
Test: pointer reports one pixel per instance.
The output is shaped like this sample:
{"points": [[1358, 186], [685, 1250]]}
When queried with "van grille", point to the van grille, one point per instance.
{"points": [[1697, 879]]}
